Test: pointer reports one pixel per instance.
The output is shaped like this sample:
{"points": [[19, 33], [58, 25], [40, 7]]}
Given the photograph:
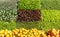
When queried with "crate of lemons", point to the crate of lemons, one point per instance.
{"points": [[29, 33]]}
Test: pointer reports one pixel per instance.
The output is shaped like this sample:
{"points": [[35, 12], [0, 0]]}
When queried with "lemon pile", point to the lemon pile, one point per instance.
{"points": [[29, 33], [6, 33], [22, 33]]}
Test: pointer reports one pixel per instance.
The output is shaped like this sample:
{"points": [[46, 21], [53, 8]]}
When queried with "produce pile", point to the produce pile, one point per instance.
{"points": [[50, 4], [7, 14], [29, 33], [50, 15], [29, 15], [29, 4]]}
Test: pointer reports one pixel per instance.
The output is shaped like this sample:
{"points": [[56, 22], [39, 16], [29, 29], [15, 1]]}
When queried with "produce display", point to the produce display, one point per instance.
{"points": [[29, 18]]}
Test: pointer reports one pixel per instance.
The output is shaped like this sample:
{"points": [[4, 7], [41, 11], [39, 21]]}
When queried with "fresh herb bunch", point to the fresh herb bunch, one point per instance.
{"points": [[51, 15], [50, 19], [50, 4], [29, 4], [7, 25], [7, 14]]}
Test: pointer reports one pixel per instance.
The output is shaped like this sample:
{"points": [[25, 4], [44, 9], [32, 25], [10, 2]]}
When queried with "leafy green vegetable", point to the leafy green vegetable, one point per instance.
{"points": [[8, 14], [7, 25], [29, 4], [50, 4]]}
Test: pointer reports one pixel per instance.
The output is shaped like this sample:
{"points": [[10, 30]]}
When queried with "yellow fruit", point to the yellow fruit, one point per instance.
{"points": [[2, 35], [9, 32], [15, 32], [54, 31], [57, 35], [39, 32], [7, 35], [48, 36], [11, 35], [14, 36], [19, 34], [2, 31], [29, 33]]}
